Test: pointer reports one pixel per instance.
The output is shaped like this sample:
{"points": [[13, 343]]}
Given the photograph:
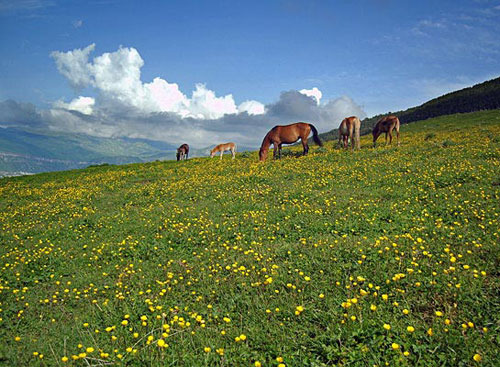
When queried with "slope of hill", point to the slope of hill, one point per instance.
{"points": [[24, 151], [30, 150], [385, 256], [483, 96]]}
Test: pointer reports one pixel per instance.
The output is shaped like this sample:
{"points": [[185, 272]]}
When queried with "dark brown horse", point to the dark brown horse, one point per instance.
{"points": [[288, 134], [386, 125], [349, 128], [182, 152]]}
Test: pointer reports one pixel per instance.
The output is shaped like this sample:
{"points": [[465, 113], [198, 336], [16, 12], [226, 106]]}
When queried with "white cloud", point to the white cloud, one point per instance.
{"points": [[117, 77], [314, 93], [252, 108], [81, 104], [204, 104], [167, 96], [125, 106], [74, 65]]}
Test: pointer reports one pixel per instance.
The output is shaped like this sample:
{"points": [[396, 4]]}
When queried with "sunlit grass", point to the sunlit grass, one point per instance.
{"points": [[385, 256]]}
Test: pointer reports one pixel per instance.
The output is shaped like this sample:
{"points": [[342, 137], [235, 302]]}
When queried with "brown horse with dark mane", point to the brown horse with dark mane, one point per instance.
{"points": [[288, 134], [350, 128], [386, 125], [182, 152]]}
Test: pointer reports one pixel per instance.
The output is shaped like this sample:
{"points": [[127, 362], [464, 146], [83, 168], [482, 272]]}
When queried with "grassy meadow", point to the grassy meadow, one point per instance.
{"points": [[382, 257]]}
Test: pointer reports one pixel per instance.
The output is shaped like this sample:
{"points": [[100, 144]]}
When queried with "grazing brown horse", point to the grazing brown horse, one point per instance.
{"points": [[349, 128], [386, 125], [182, 152], [288, 134], [222, 148]]}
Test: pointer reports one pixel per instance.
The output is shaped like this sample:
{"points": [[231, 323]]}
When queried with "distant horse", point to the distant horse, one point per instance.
{"points": [[182, 152], [349, 128], [386, 125], [288, 134], [222, 148]]}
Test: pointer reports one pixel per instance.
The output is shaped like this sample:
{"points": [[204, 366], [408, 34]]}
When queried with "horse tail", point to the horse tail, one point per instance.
{"points": [[316, 138], [357, 128]]}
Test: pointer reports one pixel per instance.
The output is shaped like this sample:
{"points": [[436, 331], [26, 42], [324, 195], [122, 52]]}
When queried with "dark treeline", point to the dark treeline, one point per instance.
{"points": [[483, 96]]}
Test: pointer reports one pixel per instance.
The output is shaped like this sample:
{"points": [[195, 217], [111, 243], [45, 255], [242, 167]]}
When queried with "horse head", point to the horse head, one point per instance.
{"points": [[262, 154]]}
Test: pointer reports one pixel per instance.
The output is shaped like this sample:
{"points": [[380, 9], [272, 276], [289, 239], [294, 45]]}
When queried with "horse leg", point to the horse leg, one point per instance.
{"points": [[305, 145], [350, 136], [279, 151], [397, 135], [233, 152], [385, 138], [275, 150], [221, 153], [390, 136]]}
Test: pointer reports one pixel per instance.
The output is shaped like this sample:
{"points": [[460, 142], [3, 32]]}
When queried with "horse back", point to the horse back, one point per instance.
{"points": [[385, 123], [349, 123], [224, 147]]}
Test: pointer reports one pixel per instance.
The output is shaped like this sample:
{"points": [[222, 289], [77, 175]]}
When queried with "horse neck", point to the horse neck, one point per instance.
{"points": [[266, 142]]}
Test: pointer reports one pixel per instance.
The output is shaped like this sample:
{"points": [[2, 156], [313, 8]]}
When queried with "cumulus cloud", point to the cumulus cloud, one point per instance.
{"points": [[252, 108], [243, 128], [205, 104], [125, 106], [81, 104], [117, 77], [74, 65], [314, 93]]}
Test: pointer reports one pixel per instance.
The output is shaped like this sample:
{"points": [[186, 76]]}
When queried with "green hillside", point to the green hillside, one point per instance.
{"points": [[379, 257], [31, 150], [483, 96]]}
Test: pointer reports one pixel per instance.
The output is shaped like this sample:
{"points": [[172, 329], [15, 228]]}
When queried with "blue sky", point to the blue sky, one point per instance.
{"points": [[385, 55]]}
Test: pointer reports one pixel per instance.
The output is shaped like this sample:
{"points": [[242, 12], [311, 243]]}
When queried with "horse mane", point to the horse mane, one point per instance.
{"points": [[266, 142]]}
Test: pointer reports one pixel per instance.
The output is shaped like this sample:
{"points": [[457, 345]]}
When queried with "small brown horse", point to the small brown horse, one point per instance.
{"points": [[222, 148], [349, 128], [288, 134], [386, 125], [182, 152]]}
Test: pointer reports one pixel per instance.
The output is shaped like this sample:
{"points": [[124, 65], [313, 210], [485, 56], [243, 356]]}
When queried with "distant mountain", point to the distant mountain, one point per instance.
{"points": [[24, 150], [483, 96]]}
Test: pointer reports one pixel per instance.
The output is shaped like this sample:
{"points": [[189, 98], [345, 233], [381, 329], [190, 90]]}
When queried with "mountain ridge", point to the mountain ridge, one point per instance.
{"points": [[481, 96]]}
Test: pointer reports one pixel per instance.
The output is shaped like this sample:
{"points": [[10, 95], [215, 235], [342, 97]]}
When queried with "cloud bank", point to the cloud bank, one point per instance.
{"points": [[125, 106]]}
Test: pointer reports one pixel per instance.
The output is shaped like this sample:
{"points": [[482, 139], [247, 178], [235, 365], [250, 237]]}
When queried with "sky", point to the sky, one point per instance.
{"points": [[206, 71]]}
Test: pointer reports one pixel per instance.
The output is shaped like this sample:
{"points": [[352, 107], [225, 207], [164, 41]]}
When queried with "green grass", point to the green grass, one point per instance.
{"points": [[410, 230]]}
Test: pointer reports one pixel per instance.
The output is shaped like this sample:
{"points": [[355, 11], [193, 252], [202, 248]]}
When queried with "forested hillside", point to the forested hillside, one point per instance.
{"points": [[484, 96]]}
